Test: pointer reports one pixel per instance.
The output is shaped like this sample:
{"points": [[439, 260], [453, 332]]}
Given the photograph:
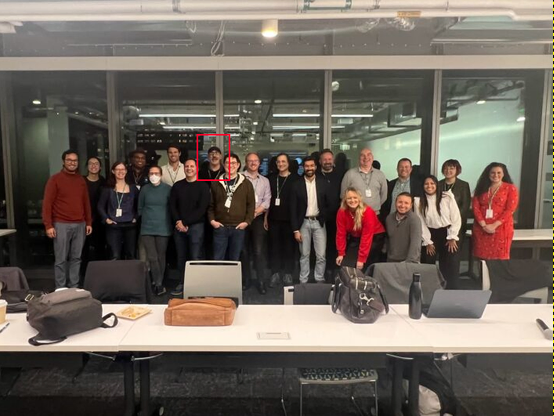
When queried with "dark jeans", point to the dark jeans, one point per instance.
{"points": [[189, 246], [156, 246], [95, 246], [122, 240], [353, 247], [282, 247], [228, 240], [449, 263], [255, 249]]}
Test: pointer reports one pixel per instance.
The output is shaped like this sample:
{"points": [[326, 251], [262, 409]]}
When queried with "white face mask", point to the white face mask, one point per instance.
{"points": [[155, 179]]}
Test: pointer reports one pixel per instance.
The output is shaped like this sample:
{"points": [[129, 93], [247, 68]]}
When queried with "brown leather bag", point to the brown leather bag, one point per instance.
{"points": [[200, 312]]}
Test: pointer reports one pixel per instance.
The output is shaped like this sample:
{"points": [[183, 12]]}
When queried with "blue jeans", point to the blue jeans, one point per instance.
{"points": [[228, 238], [189, 245], [312, 230], [122, 240], [68, 245]]}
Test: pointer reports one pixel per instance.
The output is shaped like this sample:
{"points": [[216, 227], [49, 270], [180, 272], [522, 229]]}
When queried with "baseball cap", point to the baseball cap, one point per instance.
{"points": [[214, 149]]}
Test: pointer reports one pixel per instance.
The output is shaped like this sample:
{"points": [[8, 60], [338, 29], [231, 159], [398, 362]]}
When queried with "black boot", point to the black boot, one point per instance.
{"points": [[246, 283]]}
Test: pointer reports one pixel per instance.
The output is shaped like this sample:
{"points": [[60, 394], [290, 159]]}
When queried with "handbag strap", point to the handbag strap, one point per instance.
{"points": [[336, 296], [383, 298], [37, 341], [108, 316]]}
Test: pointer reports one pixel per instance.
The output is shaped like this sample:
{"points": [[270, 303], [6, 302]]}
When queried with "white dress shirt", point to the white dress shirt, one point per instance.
{"points": [[449, 216], [312, 210]]}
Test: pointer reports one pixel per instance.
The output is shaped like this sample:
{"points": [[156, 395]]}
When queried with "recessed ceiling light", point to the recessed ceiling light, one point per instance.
{"points": [[481, 102], [521, 119], [270, 28], [257, 101], [37, 102]]}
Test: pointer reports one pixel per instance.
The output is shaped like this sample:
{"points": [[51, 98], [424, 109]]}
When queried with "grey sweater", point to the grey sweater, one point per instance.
{"points": [[404, 238]]}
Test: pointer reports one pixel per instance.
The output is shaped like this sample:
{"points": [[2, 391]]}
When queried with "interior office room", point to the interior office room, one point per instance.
{"points": [[429, 81]]}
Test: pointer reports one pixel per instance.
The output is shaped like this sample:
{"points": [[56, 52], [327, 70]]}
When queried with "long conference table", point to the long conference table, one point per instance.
{"points": [[267, 336]]}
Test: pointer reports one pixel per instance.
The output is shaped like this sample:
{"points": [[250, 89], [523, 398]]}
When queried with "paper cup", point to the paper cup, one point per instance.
{"points": [[3, 307]]}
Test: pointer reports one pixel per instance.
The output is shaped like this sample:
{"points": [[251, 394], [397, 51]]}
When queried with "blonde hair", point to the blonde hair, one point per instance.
{"points": [[359, 213]]}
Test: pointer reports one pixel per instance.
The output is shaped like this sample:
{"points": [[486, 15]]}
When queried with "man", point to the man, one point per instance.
{"points": [[213, 169], [404, 183], [188, 203], [255, 243], [137, 173], [173, 171], [231, 210], [328, 172], [66, 215], [369, 181], [309, 210]]}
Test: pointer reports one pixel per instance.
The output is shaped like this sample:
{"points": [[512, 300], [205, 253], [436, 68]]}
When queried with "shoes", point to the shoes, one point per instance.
{"points": [[261, 288], [178, 291], [275, 280], [287, 280], [159, 290], [246, 283]]}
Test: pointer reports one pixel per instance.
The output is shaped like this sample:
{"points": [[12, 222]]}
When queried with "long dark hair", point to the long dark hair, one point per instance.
{"points": [[110, 183], [423, 200], [484, 182]]}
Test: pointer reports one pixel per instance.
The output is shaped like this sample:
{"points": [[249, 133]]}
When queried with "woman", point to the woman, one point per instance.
{"points": [[494, 203], [117, 209], [277, 222], [440, 225], [155, 227], [403, 231], [94, 248], [356, 226], [451, 169]]}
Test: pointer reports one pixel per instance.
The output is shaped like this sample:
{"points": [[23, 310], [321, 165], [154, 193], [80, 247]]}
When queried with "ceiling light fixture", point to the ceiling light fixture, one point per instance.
{"points": [[37, 102], [521, 119], [481, 102], [257, 101], [308, 115], [183, 115], [270, 28]]}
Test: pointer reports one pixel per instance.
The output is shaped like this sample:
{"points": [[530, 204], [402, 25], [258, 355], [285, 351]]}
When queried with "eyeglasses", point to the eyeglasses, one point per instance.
{"points": [[233, 163], [71, 160], [120, 170]]}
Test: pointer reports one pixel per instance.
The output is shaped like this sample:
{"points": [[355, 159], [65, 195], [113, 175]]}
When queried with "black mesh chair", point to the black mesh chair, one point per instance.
{"points": [[118, 281], [320, 294]]}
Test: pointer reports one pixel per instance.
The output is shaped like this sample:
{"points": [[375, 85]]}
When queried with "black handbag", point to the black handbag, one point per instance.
{"points": [[359, 298], [66, 312]]}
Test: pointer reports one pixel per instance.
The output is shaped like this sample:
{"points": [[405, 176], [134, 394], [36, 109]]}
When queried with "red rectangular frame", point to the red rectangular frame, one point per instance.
{"points": [[198, 161]]}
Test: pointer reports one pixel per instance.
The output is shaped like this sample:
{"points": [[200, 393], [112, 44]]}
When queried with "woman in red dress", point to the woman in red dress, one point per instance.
{"points": [[356, 225], [494, 203]]}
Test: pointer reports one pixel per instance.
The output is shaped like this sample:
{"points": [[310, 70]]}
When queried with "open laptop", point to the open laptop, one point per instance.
{"points": [[469, 304]]}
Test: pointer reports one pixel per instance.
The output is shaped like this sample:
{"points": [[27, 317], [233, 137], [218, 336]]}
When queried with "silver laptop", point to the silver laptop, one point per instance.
{"points": [[469, 304]]}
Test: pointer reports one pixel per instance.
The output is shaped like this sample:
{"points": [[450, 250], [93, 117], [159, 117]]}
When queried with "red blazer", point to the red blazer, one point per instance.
{"points": [[370, 226]]}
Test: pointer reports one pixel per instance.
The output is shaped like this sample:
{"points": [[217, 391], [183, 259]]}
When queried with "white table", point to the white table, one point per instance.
{"points": [[502, 329]]}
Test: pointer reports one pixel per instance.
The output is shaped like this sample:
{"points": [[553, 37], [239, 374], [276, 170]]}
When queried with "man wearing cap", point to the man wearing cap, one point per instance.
{"points": [[174, 170], [212, 169], [137, 173]]}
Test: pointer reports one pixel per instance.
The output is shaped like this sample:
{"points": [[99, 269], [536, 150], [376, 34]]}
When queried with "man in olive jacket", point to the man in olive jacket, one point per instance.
{"points": [[231, 210]]}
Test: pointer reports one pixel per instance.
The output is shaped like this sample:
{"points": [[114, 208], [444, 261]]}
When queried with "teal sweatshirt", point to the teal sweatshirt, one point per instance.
{"points": [[153, 208]]}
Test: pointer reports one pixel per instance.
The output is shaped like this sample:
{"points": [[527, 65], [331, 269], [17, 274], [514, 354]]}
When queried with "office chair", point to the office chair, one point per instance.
{"points": [[512, 279], [213, 278], [118, 281], [320, 294]]}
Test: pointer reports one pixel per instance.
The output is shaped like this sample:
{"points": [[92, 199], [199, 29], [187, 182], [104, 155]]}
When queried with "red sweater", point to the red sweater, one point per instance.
{"points": [[370, 226], [65, 200]]}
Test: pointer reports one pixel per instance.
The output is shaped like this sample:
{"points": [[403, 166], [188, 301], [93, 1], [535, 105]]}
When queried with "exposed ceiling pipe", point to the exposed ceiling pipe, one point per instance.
{"points": [[167, 10]]}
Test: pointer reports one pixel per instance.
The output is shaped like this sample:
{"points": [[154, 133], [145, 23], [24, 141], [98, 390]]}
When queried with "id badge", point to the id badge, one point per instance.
{"points": [[118, 212], [489, 213], [277, 202], [256, 198], [138, 187], [368, 193], [228, 203]]}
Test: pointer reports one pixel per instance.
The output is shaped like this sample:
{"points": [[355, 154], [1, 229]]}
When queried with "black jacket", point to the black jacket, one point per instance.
{"points": [[189, 202], [415, 190], [334, 180], [299, 202], [462, 195]]}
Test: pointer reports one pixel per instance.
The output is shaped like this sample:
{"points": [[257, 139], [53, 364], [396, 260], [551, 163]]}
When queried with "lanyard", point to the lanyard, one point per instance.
{"points": [[280, 189], [364, 176], [171, 176], [493, 195], [120, 200], [231, 189]]}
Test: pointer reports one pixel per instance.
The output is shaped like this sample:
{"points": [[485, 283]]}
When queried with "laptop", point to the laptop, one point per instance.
{"points": [[468, 304]]}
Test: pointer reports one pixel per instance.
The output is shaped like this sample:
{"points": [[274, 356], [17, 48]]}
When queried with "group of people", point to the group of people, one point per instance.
{"points": [[221, 212]]}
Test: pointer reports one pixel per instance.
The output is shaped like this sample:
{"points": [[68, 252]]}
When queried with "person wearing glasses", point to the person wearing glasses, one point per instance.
{"points": [[118, 209], [213, 169], [231, 210], [67, 218]]}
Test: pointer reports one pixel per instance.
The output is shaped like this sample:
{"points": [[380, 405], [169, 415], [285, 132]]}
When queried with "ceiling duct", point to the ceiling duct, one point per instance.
{"points": [[191, 10]]}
